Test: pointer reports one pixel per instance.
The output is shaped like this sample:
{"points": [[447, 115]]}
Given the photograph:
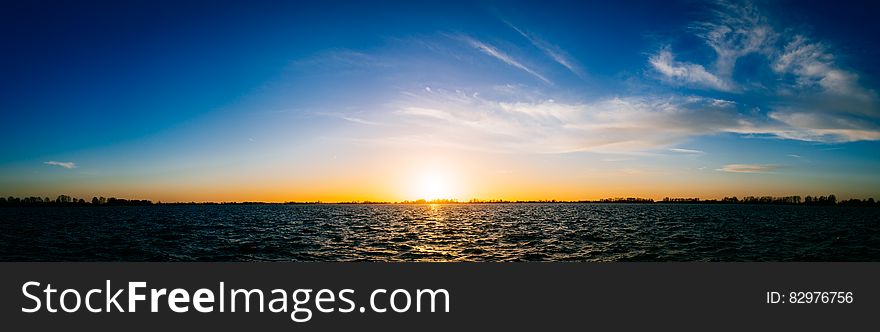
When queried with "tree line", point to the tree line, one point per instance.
{"points": [[65, 200], [829, 200], [783, 200]]}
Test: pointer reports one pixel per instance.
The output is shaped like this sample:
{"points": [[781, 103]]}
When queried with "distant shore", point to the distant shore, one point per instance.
{"points": [[830, 200]]}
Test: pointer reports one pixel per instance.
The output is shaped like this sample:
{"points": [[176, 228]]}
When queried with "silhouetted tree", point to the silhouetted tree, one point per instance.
{"points": [[63, 199]]}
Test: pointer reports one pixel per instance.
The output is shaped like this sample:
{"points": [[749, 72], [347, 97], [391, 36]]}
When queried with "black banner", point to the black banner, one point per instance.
{"points": [[486, 296]]}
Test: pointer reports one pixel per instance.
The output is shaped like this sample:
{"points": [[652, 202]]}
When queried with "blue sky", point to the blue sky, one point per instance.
{"points": [[349, 101]]}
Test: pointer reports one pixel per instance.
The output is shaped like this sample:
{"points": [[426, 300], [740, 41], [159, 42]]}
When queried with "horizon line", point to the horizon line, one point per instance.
{"points": [[787, 199]]}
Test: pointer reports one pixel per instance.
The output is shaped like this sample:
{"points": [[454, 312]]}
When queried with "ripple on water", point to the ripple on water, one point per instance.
{"points": [[469, 232]]}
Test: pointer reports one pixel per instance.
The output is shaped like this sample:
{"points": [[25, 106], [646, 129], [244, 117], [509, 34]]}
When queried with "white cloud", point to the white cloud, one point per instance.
{"points": [[359, 120], [687, 151], [64, 164], [806, 94], [612, 125], [554, 52], [506, 119], [815, 98], [686, 73], [339, 59], [748, 168], [529, 122], [814, 67], [815, 125], [348, 117], [504, 57], [738, 28]]}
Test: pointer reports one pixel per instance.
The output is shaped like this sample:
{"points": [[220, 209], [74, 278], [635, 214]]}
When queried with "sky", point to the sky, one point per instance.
{"points": [[389, 101]]}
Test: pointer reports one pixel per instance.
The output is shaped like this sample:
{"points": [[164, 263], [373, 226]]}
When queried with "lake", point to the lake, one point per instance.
{"points": [[454, 232]]}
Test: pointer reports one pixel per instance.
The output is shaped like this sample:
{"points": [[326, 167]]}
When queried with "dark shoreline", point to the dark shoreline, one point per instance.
{"points": [[830, 200], [866, 205]]}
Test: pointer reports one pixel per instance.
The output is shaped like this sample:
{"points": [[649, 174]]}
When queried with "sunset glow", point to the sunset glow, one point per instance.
{"points": [[434, 185]]}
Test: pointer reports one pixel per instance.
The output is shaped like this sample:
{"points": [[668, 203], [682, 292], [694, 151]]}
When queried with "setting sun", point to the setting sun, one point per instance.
{"points": [[432, 185]]}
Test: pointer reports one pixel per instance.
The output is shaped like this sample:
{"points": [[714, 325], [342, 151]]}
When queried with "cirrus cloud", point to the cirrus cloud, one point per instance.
{"points": [[748, 168], [811, 96], [554, 52], [504, 57], [686, 73], [62, 164], [530, 123], [687, 151]]}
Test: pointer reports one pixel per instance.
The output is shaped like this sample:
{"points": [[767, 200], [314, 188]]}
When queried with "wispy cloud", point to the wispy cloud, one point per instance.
{"points": [[812, 65], [504, 57], [737, 29], [554, 52], [340, 59], [534, 124], [748, 168], [518, 120], [358, 120], [686, 73], [348, 117], [687, 151], [64, 164], [812, 97], [740, 28], [804, 94]]}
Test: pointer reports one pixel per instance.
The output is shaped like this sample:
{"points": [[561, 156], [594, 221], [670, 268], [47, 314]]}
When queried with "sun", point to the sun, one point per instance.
{"points": [[432, 185]]}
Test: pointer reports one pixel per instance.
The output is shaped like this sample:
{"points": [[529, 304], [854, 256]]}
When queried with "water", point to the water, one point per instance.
{"points": [[478, 232]]}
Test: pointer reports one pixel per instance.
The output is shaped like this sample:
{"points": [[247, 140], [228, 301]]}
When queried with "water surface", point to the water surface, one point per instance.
{"points": [[458, 232]]}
